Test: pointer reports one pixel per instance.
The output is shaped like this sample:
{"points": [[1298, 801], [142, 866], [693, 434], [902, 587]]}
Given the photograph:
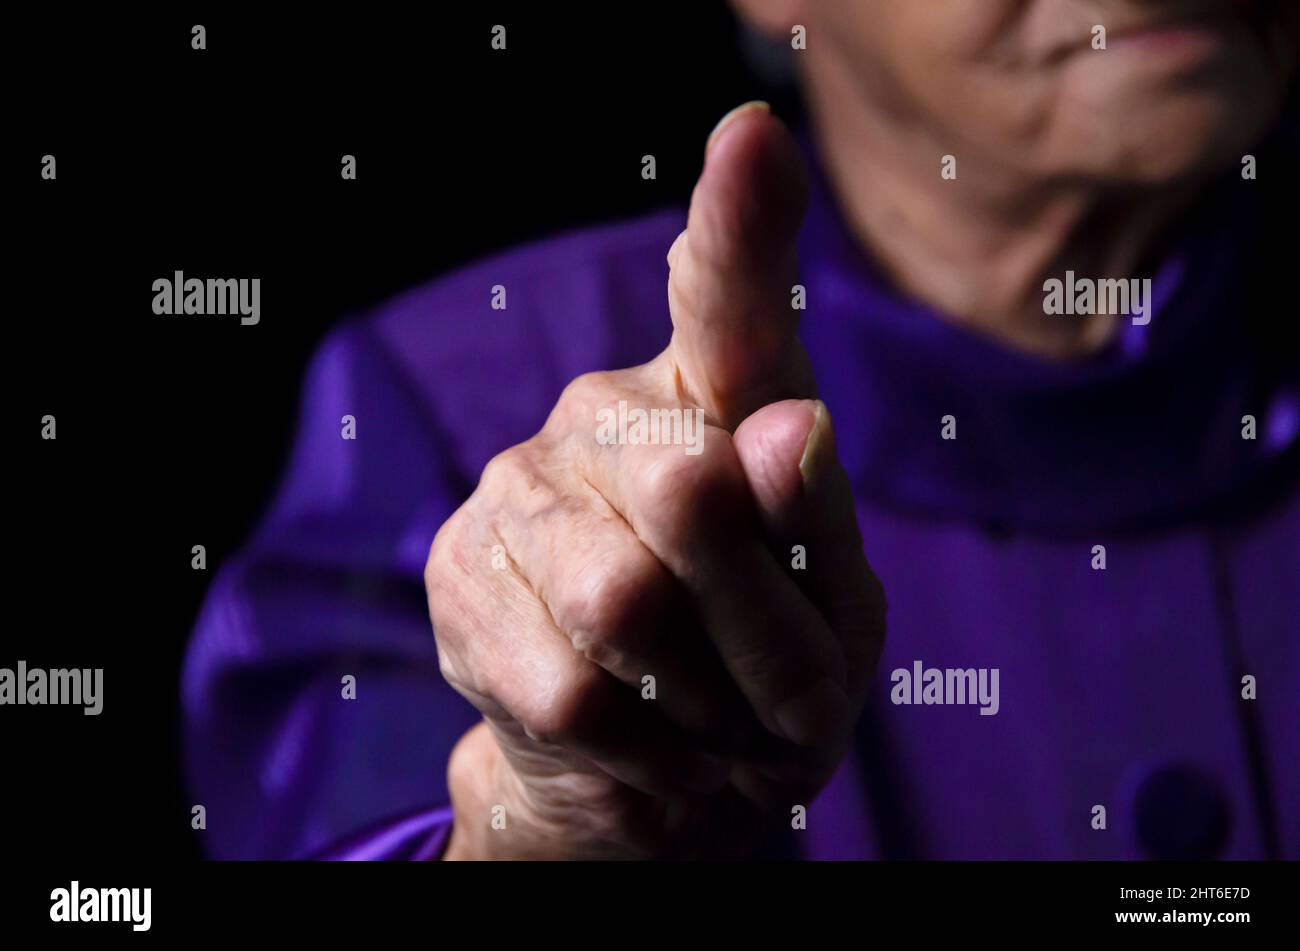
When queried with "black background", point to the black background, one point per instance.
{"points": [[226, 161]]}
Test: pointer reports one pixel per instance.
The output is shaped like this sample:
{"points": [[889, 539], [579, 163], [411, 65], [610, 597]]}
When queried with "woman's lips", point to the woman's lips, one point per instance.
{"points": [[1184, 42], [1176, 35]]}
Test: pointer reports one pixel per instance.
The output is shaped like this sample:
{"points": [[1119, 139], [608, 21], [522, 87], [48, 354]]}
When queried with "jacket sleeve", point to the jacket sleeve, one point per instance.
{"points": [[316, 721]]}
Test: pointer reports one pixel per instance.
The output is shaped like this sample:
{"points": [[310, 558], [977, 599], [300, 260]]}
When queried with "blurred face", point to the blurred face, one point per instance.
{"points": [[1182, 86]]}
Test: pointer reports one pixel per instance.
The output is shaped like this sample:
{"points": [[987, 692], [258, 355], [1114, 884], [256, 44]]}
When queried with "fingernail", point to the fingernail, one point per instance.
{"points": [[726, 121], [819, 449], [816, 716]]}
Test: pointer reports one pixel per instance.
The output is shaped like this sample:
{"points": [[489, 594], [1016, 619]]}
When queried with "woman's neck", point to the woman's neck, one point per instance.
{"points": [[979, 248]]}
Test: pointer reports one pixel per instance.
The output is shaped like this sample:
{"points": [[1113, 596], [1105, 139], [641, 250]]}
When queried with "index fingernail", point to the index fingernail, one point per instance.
{"points": [[726, 121]]}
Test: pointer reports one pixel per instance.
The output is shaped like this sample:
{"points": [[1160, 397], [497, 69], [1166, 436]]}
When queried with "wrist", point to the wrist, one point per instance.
{"points": [[472, 771]]}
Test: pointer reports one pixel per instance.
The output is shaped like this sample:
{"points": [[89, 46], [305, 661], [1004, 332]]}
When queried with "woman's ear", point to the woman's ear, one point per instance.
{"points": [[771, 17]]}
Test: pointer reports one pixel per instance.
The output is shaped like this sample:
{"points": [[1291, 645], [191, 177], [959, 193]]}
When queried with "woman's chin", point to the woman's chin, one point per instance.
{"points": [[1176, 139]]}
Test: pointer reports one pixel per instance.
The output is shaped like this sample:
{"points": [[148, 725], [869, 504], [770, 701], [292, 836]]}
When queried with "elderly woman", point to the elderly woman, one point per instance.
{"points": [[1023, 259]]}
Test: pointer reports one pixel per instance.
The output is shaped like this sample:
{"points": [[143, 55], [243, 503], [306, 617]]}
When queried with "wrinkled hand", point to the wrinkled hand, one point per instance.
{"points": [[655, 677]]}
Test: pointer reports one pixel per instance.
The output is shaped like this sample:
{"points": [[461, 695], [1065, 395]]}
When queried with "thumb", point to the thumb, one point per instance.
{"points": [[804, 498], [731, 270]]}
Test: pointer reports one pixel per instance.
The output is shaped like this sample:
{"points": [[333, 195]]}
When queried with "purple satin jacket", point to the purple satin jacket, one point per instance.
{"points": [[1120, 687]]}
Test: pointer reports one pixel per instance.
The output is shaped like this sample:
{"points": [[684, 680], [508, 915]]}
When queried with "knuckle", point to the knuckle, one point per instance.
{"points": [[446, 666], [445, 571], [604, 605], [458, 676], [681, 493], [566, 711], [507, 469], [454, 569], [593, 605], [589, 388], [518, 486], [440, 556], [581, 398]]}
